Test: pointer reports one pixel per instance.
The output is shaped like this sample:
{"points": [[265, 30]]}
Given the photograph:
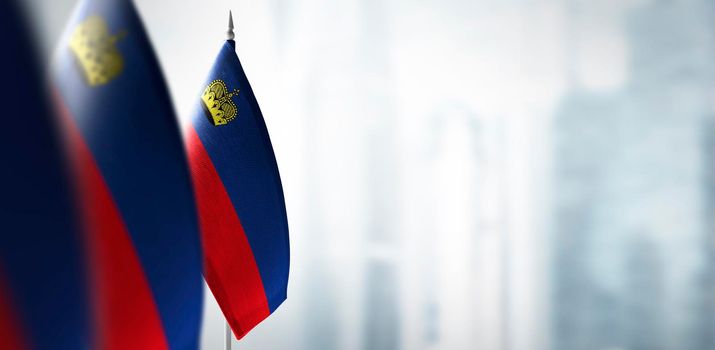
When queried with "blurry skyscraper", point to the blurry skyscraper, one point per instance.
{"points": [[381, 320], [629, 222]]}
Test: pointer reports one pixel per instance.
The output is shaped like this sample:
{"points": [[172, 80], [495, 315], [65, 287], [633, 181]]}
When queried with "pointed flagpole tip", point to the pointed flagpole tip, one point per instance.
{"points": [[230, 35]]}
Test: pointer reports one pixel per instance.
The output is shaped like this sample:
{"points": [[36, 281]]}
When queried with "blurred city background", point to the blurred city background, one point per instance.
{"points": [[473, 174]]}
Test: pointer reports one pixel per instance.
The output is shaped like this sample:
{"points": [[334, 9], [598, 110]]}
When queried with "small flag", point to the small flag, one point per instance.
{"points": [[42, 289], [142, 229], [240, 197]]}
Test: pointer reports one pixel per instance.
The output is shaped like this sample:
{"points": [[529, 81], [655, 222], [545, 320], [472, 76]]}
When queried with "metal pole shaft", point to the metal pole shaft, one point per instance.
{"points": [[227, 337]]}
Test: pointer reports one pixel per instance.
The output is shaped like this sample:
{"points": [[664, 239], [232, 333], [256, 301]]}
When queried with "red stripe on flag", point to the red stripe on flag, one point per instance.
{"points": [[124, 308], [229, 266], [11, 333]]}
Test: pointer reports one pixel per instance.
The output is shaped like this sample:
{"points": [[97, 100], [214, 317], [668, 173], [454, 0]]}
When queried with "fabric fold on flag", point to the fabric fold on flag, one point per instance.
{"points": [[240, 198]]}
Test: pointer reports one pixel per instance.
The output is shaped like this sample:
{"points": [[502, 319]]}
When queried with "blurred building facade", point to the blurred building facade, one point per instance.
{"points": [[632, 266]]}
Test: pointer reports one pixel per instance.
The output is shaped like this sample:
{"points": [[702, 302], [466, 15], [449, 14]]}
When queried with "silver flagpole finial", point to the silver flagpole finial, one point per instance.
{"points": [[230, 35]]}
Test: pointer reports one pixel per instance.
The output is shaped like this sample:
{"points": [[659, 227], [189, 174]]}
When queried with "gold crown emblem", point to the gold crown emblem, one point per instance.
{"points": [[96, 51], [218, 103]]}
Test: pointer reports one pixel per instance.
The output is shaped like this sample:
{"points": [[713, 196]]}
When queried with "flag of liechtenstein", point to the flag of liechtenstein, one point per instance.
{"points": [[42, 289], [240, 198], [143, 235]]}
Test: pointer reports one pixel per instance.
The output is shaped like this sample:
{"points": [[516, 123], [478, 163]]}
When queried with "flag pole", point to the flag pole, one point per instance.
{"points": [[227, 336], [230, 35]]}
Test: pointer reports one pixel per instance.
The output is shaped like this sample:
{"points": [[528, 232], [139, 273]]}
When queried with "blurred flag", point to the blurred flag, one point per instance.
{"points": [[143, 239], [240, 198], [42, 290]]}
